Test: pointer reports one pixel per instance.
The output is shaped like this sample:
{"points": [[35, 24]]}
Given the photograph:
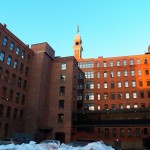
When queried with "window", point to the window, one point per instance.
{"points": [[79, 96], [142, 105], [4, 90], [23, 54], [89, 74], [105, 74], [119, 84], [5, 41], [128, 106], [11, 48], [118, 73], [120, 106], [19, 81], [98, 96], [8, 113], [132, 73], [9, 60], [145, 61], [125, 73], [135, 106], [113, 107], [119, 95], [148, 94], [0, 71], [147, 72], [126, 83], [89, 96], [141, 94], [89, 85], [118, 63], [60, 118], [105, 85], [133, 83], [129, 132], [139, 72], [6, 127], [17, 97], [21, 115], [138, 61], [80, 85], [127, 95], [98, 74], [131, 62], [25, 84], [13, 79], [18, 50], [112, 95], [107, 134], [62, 90], [26, 71], [2, 56], [21, 67], [15, 113], [112, 85], [111, 63], [88, 64], [23, 100], [28, 58], [137, 132], [148, 83], [98, 107], [106, 106], [140, 83], [105, 95], [111, 74], [114, 133], [97, 64], [63, 66], [134, 94], [98, 85], [6, 77], [124, 62], [10, 95], [105, 64], [61, 104], [1, 110], [15, 64], [62, 77]]}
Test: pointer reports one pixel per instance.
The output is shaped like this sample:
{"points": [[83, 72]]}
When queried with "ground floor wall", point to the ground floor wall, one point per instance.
{"points": [[125, 137]]}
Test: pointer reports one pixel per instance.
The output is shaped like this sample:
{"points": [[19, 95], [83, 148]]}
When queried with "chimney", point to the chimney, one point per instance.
{"points": [[5, 25], [149, 49]]}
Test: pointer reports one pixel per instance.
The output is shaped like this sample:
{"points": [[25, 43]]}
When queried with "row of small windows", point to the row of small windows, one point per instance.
{"points": [[90, 84], [13, 79], [125, 73], [90, 64], [89, 106], [11, 96], [8, 112], [118, 96], [18, 50], [122, 132]]}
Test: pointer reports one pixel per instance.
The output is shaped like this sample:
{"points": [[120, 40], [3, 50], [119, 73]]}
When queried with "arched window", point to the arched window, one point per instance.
{"points": [[23, 54], [60, 118], [6, 75], [2, 55], [15, 64], [13, 79], [11, 48], [9, 60], [5, 41], [3, 96], [18, 50]]}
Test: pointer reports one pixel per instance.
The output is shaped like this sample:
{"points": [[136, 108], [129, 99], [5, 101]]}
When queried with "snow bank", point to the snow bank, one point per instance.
{"points": [[33, 146]]}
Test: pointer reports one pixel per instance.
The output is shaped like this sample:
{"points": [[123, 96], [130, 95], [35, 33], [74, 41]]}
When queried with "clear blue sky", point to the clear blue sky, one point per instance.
{"points": [[108, 27]]}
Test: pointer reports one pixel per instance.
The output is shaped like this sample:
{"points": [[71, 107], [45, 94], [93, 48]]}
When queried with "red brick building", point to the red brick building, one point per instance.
{"points": [[116, 99], [15, 63]]}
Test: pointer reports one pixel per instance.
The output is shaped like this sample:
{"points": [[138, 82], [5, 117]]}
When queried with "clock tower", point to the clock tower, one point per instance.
{"points": [[77, 47]]}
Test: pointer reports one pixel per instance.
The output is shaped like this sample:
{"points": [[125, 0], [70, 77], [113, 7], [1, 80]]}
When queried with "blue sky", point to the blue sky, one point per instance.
{"points": [[108, 28]]}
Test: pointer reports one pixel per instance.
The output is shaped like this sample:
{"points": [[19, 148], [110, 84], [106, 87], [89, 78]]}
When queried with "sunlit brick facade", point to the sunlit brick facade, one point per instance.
{"points": [[116, 102]]}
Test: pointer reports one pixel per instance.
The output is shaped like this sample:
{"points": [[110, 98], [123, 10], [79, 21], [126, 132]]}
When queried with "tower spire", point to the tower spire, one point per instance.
{"points": [[78, 29]]}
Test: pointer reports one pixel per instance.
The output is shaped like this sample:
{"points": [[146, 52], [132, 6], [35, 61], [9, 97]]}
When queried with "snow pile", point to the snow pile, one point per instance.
{"points": [[33, 146]]}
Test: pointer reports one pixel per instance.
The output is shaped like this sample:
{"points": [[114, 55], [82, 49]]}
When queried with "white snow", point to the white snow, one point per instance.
{"points": [[33, 146]]}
